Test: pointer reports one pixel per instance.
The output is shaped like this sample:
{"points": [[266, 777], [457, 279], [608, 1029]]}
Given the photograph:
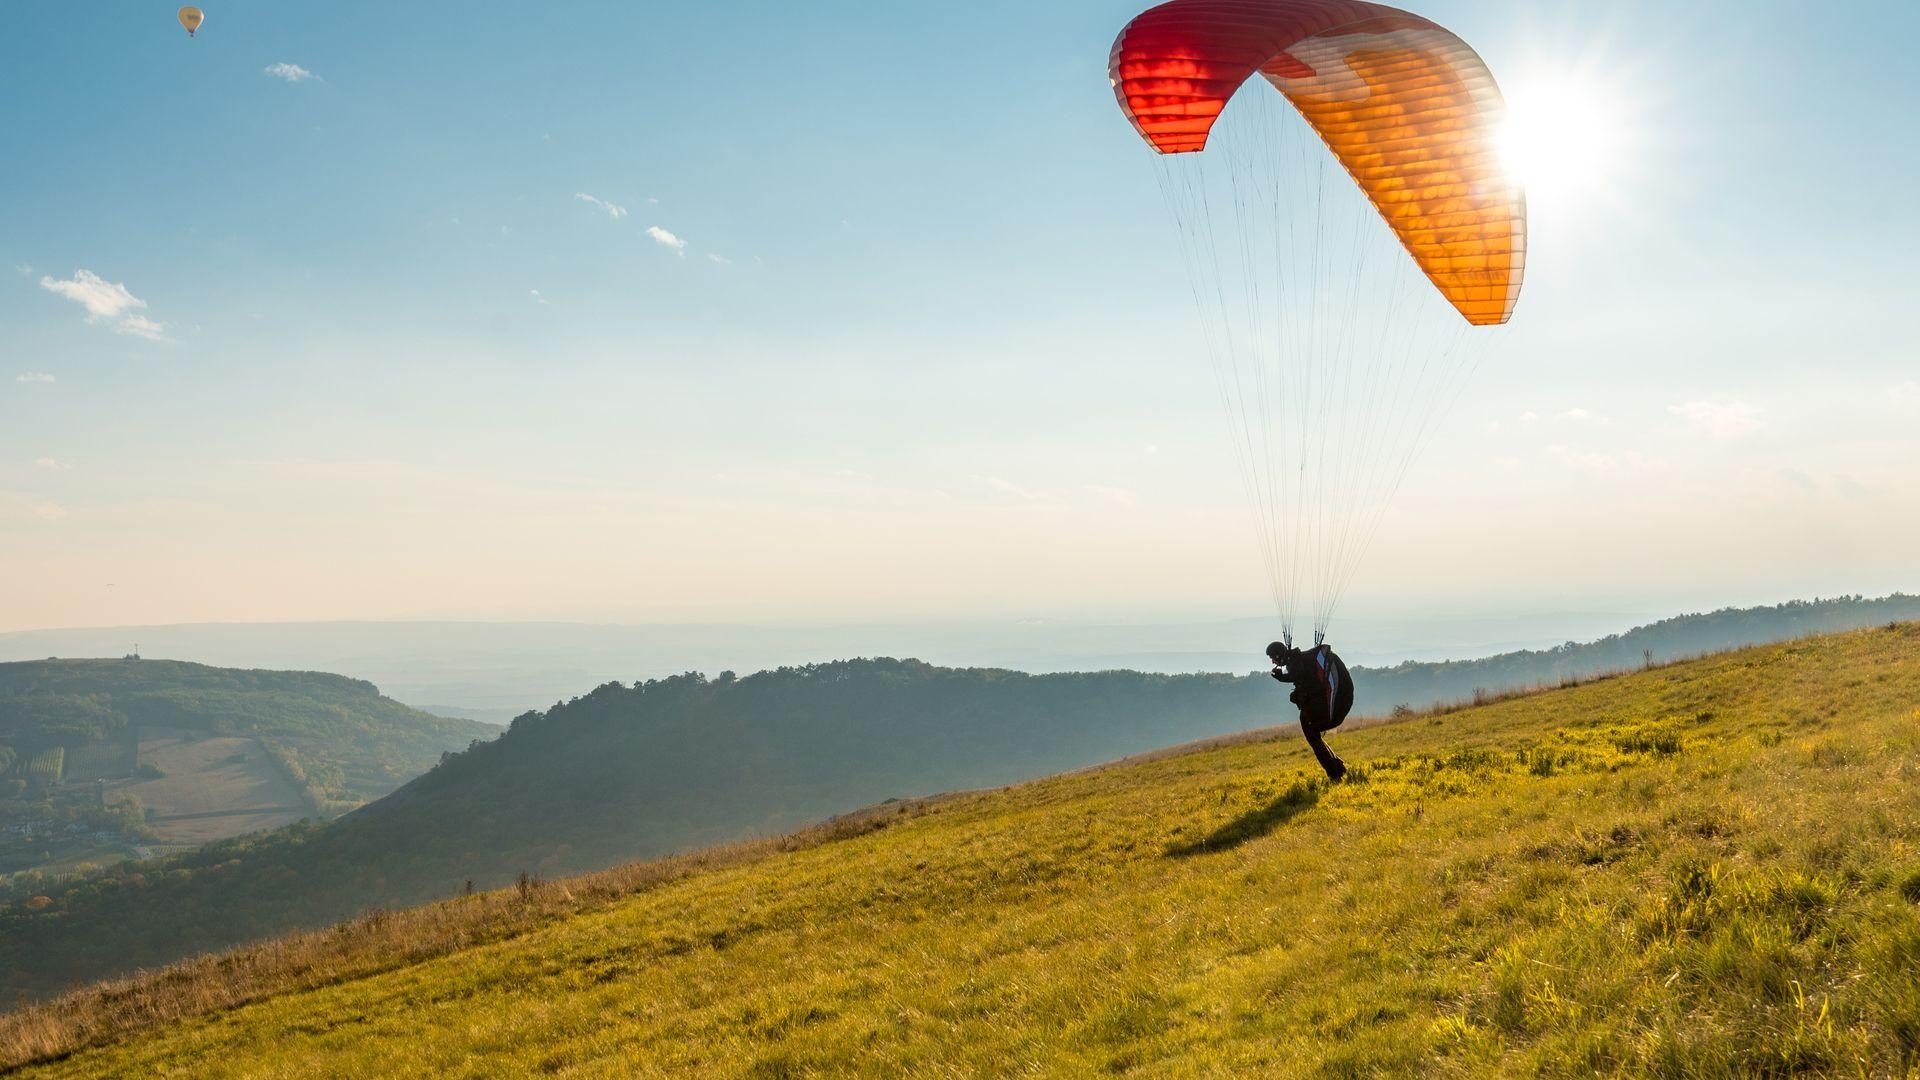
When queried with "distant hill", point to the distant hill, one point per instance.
{"points": [[495, 671], [1706, 869], [1417, 684], [103, 759], [635, 771]]}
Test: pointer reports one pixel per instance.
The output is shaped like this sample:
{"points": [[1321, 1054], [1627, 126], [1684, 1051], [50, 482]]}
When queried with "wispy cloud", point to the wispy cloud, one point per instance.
{"points": [[1530, 419], [108, 302], [1584, 461], [102, 299], [141, 327], [26, 269], [14, 506], [52, 464], [667, 239], [1012, 490], [291, 72], [1598, 464], [1721, 419], [34, 377], [1106, 494], [1906, 393], [614, 211], [537, 298], [719, 260]]}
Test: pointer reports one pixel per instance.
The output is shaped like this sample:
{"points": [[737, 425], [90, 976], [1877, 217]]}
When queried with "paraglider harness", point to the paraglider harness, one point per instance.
{"points": [[1323, 691]]}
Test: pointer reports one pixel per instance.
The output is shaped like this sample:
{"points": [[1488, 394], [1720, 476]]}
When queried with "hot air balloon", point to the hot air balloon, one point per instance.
{"points": [[1306, 149], [191, 18]]}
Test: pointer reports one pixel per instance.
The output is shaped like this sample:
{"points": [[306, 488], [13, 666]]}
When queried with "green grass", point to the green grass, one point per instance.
{"points": [[1709, 869]]}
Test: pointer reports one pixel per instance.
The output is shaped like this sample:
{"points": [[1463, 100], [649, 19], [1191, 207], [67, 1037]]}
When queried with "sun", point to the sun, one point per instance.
{"points": [[1564, 138]]}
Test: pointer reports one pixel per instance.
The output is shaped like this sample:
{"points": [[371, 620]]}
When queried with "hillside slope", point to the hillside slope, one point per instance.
{"points": [[624, 772], [1706, 869]]}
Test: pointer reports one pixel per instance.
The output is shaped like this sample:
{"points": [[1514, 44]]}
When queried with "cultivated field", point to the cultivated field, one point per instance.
{"points": [[211, 787]]}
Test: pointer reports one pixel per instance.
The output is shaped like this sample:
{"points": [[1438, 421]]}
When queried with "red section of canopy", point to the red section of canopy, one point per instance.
{"points": [[1175, 66]]}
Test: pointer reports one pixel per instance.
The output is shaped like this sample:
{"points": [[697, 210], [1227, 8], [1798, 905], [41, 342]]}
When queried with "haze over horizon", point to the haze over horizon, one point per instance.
{"points": [[577, 318], [496, 671]]}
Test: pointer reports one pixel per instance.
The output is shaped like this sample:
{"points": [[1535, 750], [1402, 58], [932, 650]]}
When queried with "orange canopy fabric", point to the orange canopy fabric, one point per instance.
{"points": [[1409, 109]]}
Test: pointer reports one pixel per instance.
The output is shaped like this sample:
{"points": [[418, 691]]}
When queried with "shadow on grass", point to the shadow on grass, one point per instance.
{"points": [[1254, 824]]}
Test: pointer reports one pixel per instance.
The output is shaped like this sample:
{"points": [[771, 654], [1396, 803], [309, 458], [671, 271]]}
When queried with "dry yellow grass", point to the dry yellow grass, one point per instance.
{"points": [[377, 941]]}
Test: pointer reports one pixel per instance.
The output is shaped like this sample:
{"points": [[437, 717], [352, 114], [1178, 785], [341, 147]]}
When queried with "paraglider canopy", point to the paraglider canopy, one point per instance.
{"points": [[1284, 133], [191, 18], [1410, 110]]}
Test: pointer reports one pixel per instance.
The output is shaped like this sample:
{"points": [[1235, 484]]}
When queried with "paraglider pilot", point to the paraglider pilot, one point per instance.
{"points": [[1322, 689]]}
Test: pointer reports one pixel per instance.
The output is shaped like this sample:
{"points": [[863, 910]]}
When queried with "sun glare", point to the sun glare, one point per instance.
{"points": [[1563, 138]]}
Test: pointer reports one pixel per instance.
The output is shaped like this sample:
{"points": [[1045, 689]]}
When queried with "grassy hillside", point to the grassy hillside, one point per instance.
{"points": [[149, 751], [624, 772], [1708, 869]]}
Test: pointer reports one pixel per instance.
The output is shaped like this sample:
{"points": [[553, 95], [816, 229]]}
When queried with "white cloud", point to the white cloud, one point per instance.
{"points": [[1584, 416], [614, 211], [1906, 393], [1598, 464], [537, 298], [141, 327], [25, 269], [34, 377], [1721, 419], [1012, 490], [107, 301], [667, 239], [291, 72], [102, 299], [15, 506], [52, 464], [653, 202], [1107, 494], [1531, 419], [719, 260], [1584, 461]]}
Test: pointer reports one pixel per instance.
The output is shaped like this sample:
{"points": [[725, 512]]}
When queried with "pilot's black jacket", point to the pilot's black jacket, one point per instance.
{"points": [[1321, 687]]}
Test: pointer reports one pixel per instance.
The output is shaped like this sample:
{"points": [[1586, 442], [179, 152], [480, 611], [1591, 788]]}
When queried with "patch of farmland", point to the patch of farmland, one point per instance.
{"points": [[211, 788], [100, 761]]}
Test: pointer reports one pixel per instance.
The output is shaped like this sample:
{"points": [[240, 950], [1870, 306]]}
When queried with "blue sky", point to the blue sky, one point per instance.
{"points": [[906, 339]]}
